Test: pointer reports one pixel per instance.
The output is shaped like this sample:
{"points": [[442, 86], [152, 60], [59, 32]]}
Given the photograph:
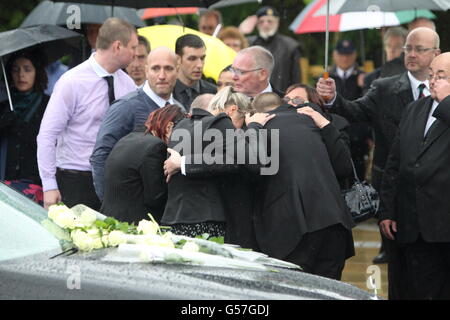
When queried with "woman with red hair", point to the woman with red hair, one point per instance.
{"points": [[134, 179]]}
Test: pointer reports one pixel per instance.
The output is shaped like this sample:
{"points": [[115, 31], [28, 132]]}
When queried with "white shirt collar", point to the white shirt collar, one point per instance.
{"points": [[157, 99], [347, 72], [431, 119], [267, 89], [98, 69], [415, 86]]}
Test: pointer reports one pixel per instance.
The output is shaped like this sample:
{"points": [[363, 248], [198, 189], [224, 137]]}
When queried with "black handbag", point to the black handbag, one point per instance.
{"points": [[362, 199]]}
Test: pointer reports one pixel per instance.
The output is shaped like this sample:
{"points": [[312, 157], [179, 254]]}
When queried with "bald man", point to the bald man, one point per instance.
{"points": [[382, 107], [415, 186], [133, 110]]}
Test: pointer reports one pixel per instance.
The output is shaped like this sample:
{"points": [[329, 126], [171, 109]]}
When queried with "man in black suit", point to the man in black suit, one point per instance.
{"points": [[300, 216], [252, 68], [382, 106], [191, 53], [132, 110], [414, 187], [348, 78]]}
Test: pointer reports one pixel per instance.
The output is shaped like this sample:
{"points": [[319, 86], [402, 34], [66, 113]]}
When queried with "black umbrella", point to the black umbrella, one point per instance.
{"points": [[139, 4], [49, 12], [55, 41]]}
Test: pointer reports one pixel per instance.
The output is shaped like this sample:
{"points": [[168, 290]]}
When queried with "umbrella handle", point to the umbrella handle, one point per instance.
{"points": [[326, 75], [7, 85]]}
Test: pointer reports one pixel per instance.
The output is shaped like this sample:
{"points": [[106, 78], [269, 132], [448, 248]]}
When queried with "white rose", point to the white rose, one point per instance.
{"points": [[154, 240], [65, 219], [191, 246], [87, 218], [54, 210], [82, 240], [147, 227], [116, 237]]}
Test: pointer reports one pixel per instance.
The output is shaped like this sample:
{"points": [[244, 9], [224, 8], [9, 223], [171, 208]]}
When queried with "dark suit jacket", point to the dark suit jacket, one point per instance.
{"points": [[382, 107], [417, 176], [134, 179], [180, 94], [304, 195]]}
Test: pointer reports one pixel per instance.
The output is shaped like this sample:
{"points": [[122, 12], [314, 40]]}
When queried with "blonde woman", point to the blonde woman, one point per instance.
{"points": [[234, 104], [215, 198]]}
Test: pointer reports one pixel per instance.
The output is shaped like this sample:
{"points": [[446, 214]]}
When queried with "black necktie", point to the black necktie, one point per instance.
{"points": [[189, 94], [110, 81], [422, 86]]}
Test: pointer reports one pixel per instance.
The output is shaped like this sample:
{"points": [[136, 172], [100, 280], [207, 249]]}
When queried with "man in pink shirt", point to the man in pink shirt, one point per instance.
{"points": [[75, 111]]}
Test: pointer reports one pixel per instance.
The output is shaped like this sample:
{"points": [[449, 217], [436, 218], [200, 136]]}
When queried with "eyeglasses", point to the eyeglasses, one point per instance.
{"points": [[437, 77], [419, 50], [296, 100], [240, 72]]}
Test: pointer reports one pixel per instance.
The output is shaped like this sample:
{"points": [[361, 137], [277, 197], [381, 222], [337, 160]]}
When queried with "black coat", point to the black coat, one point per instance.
{"points": [[286, 53], [417, 176], [304, 195], [213, 192], [382, 107], [193, 200], [134, 178], [20, 136]]}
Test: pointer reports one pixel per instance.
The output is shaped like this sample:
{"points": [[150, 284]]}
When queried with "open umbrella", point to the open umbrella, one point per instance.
{"points": [[53, 40], [312, 19], [329, 7], [49, 12], [139, 4], [218, 55], [342, 6], [153, 12]]}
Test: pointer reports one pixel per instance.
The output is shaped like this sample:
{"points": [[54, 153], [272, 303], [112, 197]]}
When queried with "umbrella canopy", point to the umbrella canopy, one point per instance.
{"points": [[53, 40], [228, 3], [218, 55], [139, 4], [56, 41], [312, 19], [168, 11], [341, 6], [49, 12]]}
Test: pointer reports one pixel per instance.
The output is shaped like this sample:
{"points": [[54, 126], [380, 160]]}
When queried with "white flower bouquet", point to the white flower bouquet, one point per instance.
{"points": [[147, 242]]}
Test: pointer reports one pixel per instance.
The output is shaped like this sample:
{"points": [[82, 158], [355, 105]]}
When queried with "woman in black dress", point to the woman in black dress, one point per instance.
{"points": [[134, 179]]}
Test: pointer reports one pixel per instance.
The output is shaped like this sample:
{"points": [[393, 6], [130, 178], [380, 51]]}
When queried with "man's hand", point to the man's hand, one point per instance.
{"points": [[51, 197], [172, 165], [261, 118], [326, 88], [388, 227], [318, 119], [442, 89]]}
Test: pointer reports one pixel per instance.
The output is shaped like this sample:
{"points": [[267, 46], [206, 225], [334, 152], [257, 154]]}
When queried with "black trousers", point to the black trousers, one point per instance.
{"points": [[428, 266], [399, 284], [323, 252], [77, 187]]}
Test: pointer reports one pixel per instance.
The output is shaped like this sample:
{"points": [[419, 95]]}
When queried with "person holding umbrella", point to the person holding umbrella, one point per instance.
{"points": [[19, 128], [74, 114]]}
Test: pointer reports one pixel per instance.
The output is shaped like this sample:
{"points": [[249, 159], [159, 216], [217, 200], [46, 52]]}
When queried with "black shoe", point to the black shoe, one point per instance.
{"points": [[381, 258]]}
